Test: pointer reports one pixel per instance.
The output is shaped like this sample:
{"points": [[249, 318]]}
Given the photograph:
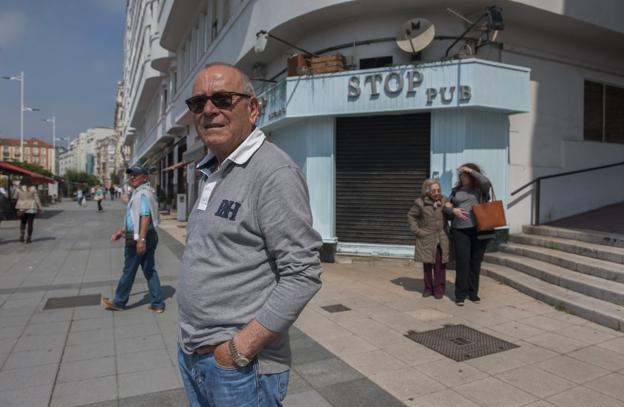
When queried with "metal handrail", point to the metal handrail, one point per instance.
{"points": [[538, 181]]}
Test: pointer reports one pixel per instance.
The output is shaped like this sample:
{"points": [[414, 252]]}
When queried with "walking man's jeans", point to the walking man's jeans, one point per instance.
{"points": [[469, 253], [27, 219], [210, 385], [132, 262]]}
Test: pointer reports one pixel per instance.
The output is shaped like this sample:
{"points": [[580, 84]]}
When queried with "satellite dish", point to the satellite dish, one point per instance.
{"points": [[415, 35]]}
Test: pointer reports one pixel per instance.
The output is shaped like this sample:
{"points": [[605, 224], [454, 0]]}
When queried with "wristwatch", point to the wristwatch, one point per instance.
{"points": [[142, 240], [239, 360]]}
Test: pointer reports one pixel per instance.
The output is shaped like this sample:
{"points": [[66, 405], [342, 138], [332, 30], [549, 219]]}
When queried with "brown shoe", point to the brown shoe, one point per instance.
{"points": [[108, 304], [156, 310]]}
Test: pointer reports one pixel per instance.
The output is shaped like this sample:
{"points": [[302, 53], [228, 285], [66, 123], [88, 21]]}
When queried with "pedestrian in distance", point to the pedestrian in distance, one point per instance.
{"points": [[141, 241], [99, 196], [470, 245], [429, 224], [79, 196], [251, 261], [27, 207], [6, 208], [111, 192]]}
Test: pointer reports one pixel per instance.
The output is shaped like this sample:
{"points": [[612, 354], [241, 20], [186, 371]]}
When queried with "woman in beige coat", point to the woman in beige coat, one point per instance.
{"points": [[28, 205], [428, 222]]}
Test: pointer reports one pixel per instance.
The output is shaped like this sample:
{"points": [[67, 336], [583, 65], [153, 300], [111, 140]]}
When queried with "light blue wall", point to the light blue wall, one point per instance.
{"points": [[310, 143], [469, 135]]}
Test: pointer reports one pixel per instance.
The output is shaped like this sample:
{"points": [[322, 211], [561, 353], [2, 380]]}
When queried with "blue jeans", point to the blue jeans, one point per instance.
{"points": [[132, 261], [209, 385]]}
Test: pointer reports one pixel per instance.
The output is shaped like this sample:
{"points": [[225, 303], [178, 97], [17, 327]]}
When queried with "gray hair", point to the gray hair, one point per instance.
{"points": [[247, 86], [427, 184]]}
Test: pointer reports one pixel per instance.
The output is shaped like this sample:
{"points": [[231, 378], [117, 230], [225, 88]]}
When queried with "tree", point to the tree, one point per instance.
{"points": [[114, 178], [34, 168], [77, 178]]}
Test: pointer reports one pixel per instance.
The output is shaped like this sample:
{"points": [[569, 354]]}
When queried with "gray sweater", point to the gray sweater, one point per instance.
{"points": [[466, 199], [251, 253]]}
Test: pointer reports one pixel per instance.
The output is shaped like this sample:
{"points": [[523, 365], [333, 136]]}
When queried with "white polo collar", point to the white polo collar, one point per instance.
{"points": [[240, 156]]}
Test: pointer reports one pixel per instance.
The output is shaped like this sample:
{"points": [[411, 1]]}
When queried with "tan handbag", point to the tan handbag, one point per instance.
{"points": [[489, 215]]}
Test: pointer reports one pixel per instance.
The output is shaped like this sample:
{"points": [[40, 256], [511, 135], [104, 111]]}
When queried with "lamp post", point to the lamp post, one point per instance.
{"points": [[53, 121], [23, 109]]}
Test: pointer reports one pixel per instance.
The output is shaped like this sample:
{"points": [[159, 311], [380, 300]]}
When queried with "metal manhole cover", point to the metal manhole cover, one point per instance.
{"points": [[336, 308], [460, 342], [75, 301]]}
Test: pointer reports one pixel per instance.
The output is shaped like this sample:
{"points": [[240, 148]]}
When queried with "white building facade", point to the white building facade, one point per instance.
{"points": [[82, 152], [545, 96]]}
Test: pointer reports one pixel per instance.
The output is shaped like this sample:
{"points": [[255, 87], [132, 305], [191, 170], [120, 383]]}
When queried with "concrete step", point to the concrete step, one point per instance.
{"points": [[596, 287], [586, 265], [589, 236], [601, 312], [596, 251]]}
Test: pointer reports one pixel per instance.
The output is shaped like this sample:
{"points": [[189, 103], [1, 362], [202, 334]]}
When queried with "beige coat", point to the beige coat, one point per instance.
{"points": [[27, 199], [431, 228]]}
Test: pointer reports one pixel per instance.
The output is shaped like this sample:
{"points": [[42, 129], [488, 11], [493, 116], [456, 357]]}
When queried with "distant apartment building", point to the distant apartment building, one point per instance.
{"points": [[36, 151], [83, 153]]}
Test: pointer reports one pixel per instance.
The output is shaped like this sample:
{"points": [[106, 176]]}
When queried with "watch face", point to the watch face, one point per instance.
{"points": [[242, 362]]}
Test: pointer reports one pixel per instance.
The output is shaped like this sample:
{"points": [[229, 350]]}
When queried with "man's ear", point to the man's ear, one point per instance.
{"points": [[254, 109]]}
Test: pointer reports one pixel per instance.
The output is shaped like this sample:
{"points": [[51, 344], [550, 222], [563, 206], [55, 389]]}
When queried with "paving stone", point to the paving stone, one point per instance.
{"points": [[32, 397], [305, 350], [406, 383], [168, 398], [86, 369], [142, 361], [92, 324], [327, 372], [572, 369], [27, 377], [358, 393], [11, 332], [306, 399], [611, 385], [83, 392], [133, 331], [583, 397], [92, 350], [604, 358], [139, 344], [86, 337], [47, 328], [444, 398], [296, 384], [33, 358], [373, 362], [555, 342], [40, 342], [52, 316], [491, 392], [451, 373], [536, 381], [132, 384]]}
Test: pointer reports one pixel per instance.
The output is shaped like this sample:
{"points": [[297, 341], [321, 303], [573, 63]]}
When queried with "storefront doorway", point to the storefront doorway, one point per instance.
{"points": [[381, 162]]}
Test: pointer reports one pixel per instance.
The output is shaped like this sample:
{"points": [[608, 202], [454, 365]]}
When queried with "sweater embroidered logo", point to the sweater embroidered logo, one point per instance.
{"points": [[228, 209]]}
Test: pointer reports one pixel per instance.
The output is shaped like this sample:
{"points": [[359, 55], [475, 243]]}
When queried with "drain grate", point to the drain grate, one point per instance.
{"points": [[75, 301], [460, 342], [336, 308]]}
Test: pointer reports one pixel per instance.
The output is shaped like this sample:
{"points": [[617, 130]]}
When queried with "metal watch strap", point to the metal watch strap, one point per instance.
{"points": [[239, 360]]}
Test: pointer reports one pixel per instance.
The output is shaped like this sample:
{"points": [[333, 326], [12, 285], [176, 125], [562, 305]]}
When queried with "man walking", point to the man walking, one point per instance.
{"points": [[141, 241], [251, 262]]}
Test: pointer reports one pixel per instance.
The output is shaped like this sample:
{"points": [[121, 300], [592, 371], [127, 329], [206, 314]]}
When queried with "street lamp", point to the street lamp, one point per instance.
{"points": [[23, 109], [53, 121], [263, 36]]}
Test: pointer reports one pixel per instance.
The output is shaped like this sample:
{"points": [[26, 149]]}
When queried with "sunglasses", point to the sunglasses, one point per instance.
{"points": [[221, 100]]}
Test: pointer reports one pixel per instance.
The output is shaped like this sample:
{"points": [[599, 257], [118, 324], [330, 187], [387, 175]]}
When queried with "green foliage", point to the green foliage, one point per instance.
{"points": [[115, 178], [81, 177], [34, 168]]}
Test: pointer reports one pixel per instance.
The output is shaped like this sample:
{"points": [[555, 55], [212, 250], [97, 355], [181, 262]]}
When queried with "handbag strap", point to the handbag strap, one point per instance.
{"points": [[492, 197]]}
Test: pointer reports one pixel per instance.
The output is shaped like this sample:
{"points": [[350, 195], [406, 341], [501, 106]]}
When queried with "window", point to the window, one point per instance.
{"points": [[198, 43], [226, 11], [603, 113], [214, 30], [192, 48], [377, 62], [206, 28]]}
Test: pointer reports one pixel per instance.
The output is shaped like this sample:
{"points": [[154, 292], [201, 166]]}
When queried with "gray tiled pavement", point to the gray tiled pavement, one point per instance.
{"points": [[88, 356]]}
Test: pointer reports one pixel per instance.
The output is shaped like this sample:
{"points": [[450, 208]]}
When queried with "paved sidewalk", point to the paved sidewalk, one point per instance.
{"points": [[86, 355]]}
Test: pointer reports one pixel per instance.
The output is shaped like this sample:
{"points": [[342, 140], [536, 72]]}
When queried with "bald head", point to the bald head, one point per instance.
{"points": [[224, 126], [242, 79]]}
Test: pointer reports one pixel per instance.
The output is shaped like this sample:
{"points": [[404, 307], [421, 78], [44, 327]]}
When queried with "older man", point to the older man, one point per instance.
{"points": [[251, 262], [141, 241]]}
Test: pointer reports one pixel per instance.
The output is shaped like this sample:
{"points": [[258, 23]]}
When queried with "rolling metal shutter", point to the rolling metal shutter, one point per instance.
{"points": [[381, 162]]}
